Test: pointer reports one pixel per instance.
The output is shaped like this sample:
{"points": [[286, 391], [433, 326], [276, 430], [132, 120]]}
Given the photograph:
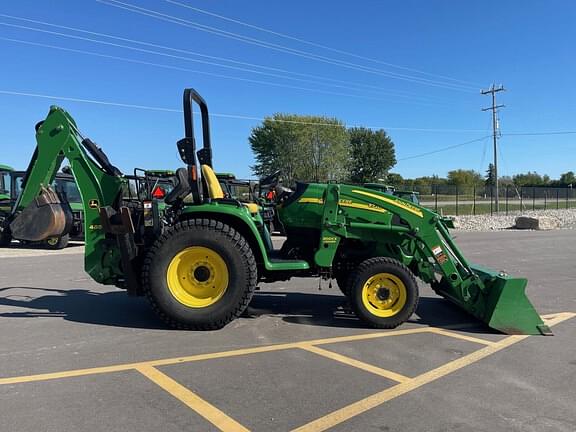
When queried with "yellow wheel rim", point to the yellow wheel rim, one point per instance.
{"points": [[384, 295], [52, 241], [197, 277]]}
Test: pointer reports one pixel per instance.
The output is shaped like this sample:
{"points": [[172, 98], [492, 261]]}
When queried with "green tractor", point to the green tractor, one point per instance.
{"points": [[5, 200], [199, 259], [63, 184], [412, 196], [5, 183]]}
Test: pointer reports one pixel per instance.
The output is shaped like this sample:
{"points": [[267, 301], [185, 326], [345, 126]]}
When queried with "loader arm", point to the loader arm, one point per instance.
{"points": [[100, 185], [387, 225], [491, 296]]}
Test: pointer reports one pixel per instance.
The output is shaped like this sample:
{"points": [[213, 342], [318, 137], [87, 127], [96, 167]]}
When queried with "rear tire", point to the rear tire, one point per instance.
{"points": [[383, 292], [56, 243], [200, 275], [5, 237]]}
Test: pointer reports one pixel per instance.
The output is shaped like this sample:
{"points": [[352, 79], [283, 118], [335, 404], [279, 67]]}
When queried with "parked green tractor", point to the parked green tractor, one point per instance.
{"points": [[5, 202], [5, 182], [199, 260], [64, 185], [408, 195]]}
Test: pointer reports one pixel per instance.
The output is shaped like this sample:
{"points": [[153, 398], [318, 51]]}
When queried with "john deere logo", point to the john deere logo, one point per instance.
{"points": [[93, 204]]}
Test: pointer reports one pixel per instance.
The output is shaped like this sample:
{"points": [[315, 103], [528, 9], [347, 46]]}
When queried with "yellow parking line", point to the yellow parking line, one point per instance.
{"points": [[356, 363], [192, 400], [238, 352], [199, 357], [364, 336], [67, 374], [352, 410], [455, 335]]}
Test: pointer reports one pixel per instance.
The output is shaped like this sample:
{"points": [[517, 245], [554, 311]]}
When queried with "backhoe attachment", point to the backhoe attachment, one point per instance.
{"points": [[44, 217]]}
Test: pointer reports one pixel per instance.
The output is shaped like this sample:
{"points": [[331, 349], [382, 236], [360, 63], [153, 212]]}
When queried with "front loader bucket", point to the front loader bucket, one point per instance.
{"points": [[501, 303], [507, 307], [45, 217]]}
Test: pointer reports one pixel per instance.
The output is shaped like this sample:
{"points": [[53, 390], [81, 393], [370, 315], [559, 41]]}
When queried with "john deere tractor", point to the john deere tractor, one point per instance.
{"points": [[63, 184], [199, 258]]}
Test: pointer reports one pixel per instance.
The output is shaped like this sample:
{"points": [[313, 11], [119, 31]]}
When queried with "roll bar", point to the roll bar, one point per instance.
{"points": [[187, 145]]}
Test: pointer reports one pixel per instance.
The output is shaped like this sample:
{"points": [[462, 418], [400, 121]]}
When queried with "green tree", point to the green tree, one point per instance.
{"points": [[394, 179], [371, 155], [325, 150], [490, 176], [425, 185], [505, 181], [462, 178], [568, 178], [429, 180], [530, 179], [305, 148]]}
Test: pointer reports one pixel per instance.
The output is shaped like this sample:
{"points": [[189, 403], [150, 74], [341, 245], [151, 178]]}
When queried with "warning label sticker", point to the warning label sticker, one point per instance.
{"points": [[439, 254]]}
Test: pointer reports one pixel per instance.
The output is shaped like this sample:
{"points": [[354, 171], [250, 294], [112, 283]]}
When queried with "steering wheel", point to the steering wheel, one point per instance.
{"points": [[274, 182], [271, 180]]}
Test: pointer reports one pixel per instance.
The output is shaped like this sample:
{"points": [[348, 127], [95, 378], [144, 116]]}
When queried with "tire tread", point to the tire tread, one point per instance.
{"points": [[210, 225]]}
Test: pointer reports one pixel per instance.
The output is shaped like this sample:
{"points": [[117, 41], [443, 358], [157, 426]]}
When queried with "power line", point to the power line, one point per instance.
{"points": [[389, 92], [160, 53], [186, 23], [164, 66], [314, 44], [231, 116], [157, 53], [483, 155], [90, 101], [539, 133], [248, 117], [443, 149]]}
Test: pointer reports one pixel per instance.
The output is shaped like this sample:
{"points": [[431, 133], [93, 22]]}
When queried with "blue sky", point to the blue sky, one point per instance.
{"points": [[446, 52]]}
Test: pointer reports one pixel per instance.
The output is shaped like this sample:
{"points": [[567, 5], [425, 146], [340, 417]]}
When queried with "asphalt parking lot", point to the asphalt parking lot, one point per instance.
{"points": [[77, 356]]}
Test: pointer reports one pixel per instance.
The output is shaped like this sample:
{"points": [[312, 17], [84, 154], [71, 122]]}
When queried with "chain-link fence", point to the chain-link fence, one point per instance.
{"points": [[454, 200]]}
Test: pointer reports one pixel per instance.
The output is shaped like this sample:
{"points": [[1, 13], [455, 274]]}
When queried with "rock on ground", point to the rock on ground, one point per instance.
{"points": [[562, 219], [537, 223]]}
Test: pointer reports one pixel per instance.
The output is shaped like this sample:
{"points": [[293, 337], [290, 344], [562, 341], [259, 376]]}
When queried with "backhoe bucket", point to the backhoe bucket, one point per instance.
{"points": [[504, 306], [45, 217]]}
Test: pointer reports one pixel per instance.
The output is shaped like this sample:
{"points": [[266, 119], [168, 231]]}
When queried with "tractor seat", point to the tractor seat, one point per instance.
{"points": [[252, 207], [215, 190], [181, 188]]}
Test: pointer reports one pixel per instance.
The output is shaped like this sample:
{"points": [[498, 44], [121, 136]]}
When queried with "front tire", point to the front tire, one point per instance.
{"points": [[200, 275], [383, 292]]}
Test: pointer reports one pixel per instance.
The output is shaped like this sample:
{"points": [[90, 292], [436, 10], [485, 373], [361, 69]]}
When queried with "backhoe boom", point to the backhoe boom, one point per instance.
{"points": [[37, 214]]}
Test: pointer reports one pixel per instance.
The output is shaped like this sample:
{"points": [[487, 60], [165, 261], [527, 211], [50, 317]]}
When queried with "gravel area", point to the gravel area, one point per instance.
{"points": [[566, 219]]}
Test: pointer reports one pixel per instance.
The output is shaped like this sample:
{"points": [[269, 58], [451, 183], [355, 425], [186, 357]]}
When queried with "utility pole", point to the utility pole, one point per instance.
{"points": [[492, 91]]}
